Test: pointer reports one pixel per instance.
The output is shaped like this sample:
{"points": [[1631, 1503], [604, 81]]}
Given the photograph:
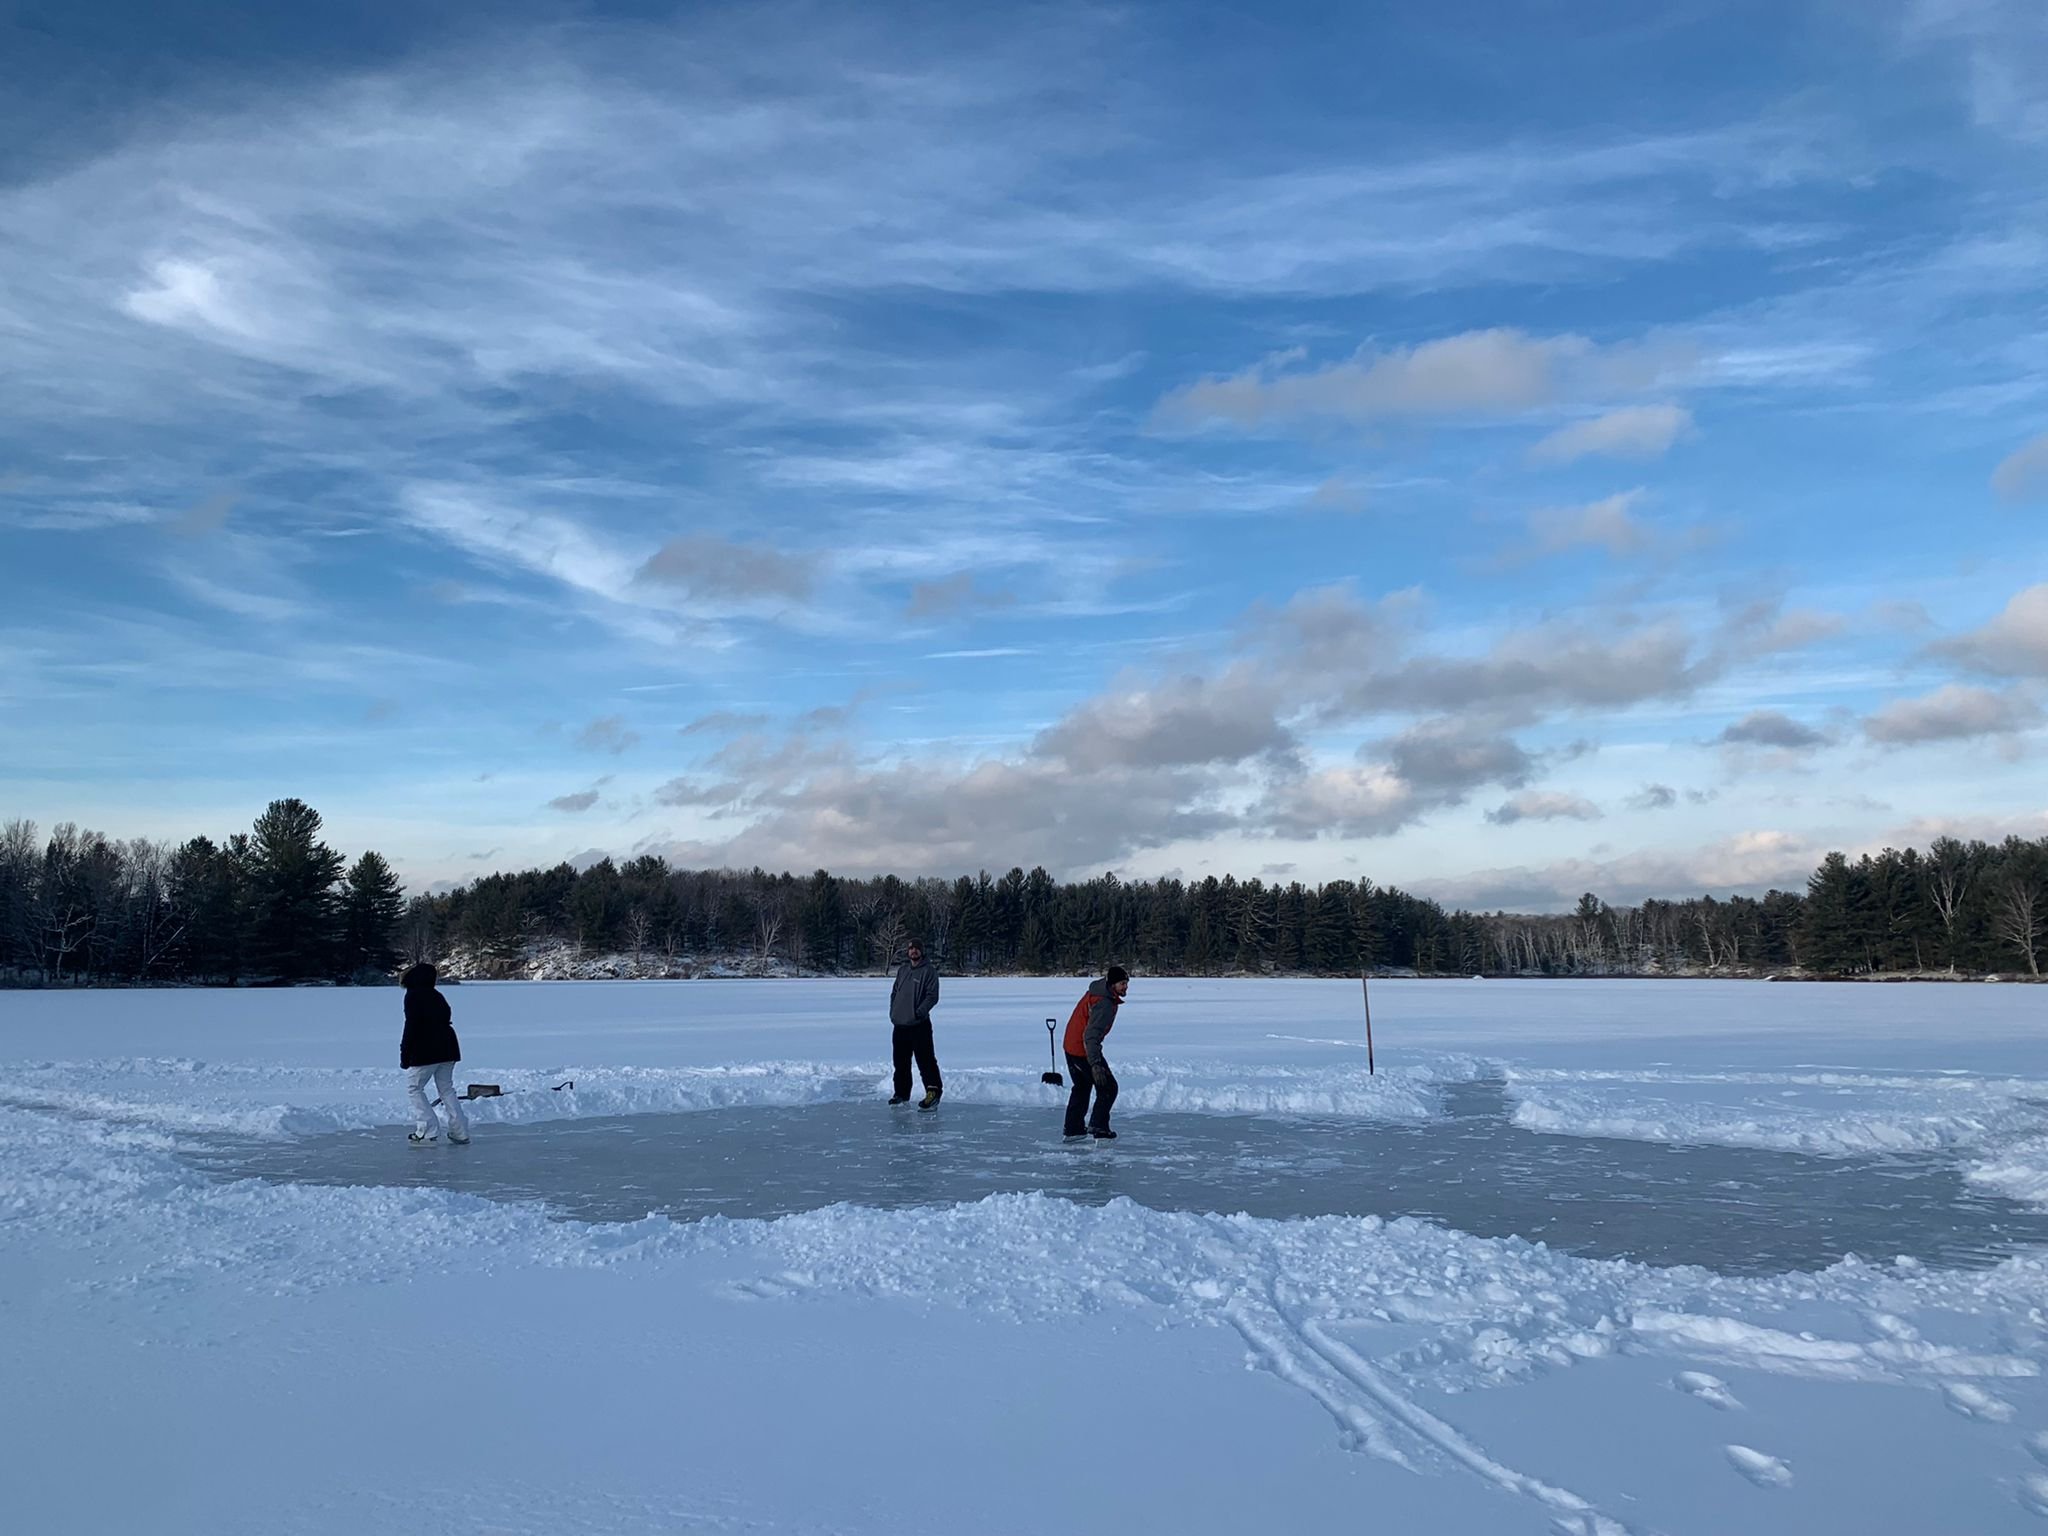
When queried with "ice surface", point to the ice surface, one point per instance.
{"points": [[189, 1352], [1733, 1209]]}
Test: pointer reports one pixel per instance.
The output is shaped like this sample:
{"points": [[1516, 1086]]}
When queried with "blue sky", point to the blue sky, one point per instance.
{"points": [[1501, 451]]}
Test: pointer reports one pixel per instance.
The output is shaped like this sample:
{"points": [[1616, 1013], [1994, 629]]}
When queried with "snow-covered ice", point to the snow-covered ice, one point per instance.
{"points": [[1286, 1306]]}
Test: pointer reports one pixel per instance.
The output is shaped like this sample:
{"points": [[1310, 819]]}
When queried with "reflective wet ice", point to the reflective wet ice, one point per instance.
{"points": [[1736, 1210]]}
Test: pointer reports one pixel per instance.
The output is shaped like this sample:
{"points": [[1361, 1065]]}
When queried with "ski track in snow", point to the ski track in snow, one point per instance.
{"points": [[1362, 1315]]}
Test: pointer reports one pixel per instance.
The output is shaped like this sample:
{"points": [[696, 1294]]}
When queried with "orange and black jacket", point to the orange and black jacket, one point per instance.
{"points": [[1093, 1017]]}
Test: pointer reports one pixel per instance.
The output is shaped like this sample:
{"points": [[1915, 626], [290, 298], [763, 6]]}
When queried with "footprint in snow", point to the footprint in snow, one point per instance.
{"points": [[1975, 1403], [1764, 1471], [1711, 1390]]}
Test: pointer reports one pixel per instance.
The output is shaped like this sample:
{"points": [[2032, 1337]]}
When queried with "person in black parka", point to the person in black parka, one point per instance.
{"points": [[429, 1050]]}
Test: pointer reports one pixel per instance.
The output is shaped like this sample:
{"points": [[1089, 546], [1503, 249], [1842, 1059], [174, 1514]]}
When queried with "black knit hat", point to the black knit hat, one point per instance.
{"points": [[1117, 973]]}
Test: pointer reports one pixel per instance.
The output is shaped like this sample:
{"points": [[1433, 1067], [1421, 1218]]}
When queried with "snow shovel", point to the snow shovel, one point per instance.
{"points": [[1053, 1077], [493, 1091]]}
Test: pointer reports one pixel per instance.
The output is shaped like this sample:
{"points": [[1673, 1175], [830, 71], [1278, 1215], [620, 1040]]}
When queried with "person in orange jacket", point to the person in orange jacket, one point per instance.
{"points": [[1093, 1018]]}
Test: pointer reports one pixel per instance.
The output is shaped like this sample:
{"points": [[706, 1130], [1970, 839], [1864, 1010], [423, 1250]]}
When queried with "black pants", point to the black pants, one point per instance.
{"points": [[1097, 1080], [915, 1040]]}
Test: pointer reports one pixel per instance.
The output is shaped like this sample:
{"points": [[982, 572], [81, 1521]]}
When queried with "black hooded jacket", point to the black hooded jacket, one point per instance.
{"points": [[429, 1023]]}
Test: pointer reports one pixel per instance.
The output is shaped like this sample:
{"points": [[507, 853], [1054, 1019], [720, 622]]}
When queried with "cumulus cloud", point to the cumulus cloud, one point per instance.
{"points": [[582, 800], [1632, 432], [1954, 712], [1452, 757], [1496, 372], [1431, 765], [1561, 665], [1748, 863], [2024, 475], [1363, 800], [917, 818], [1653, 797], [1543, 805], [607, 733], [1771, 728], [1177, 722], [2015, 644]]}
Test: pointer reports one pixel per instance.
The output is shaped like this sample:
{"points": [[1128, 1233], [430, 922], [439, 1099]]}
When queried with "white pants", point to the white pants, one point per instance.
{"points": [[443, 1075]]}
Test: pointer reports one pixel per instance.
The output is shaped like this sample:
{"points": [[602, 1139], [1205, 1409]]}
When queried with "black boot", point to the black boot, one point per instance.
{"points": [[930, 1099]]}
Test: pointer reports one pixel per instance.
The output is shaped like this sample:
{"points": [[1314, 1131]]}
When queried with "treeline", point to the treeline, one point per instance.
{"points": [[274, 903], [277, 904]]}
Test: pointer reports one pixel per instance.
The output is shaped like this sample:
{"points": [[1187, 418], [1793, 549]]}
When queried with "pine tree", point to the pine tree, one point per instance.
{"points": [[372, 906], [1828, 936], [292, 875]]}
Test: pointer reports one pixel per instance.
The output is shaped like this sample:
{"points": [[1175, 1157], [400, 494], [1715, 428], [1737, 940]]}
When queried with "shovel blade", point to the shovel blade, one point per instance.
{"points": [[1053, 1078]]}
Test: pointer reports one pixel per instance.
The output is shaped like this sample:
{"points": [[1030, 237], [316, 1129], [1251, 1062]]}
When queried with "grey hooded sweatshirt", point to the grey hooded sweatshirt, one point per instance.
{"points": [[915, 994], [1101, 1019]]}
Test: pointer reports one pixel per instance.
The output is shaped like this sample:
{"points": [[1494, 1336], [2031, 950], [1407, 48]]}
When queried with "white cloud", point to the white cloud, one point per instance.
{"points": [[1747, 863], [1178, 722], [1632, 432], [2015, 644], [1953, 712]]}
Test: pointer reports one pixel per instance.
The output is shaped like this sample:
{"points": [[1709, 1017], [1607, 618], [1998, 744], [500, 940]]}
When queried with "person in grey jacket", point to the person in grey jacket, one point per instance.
{"points": [[1088, 1026], [911, 1002]]}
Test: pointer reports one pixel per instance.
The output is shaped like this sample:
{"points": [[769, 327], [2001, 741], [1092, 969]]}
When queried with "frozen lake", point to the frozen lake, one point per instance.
{"points": [[1579, 1264]]}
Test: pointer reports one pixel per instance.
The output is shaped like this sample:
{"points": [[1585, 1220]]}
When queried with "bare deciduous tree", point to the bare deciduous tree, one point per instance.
{"points": [[2018, 916]]}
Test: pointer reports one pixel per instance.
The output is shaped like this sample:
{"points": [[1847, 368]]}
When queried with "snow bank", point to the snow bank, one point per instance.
{"points": [[1996, 1127]]}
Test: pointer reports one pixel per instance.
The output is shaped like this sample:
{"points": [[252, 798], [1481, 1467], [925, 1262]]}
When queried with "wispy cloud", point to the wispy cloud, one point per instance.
{"points": [[2023, 475], [1499, 372], [608, 733], [1632, 432]]}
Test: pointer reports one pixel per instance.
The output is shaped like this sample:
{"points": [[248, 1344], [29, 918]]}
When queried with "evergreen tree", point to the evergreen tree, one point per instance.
{"points": [[372, 906], [822, 920], [292, 875], [1829, 939]]}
